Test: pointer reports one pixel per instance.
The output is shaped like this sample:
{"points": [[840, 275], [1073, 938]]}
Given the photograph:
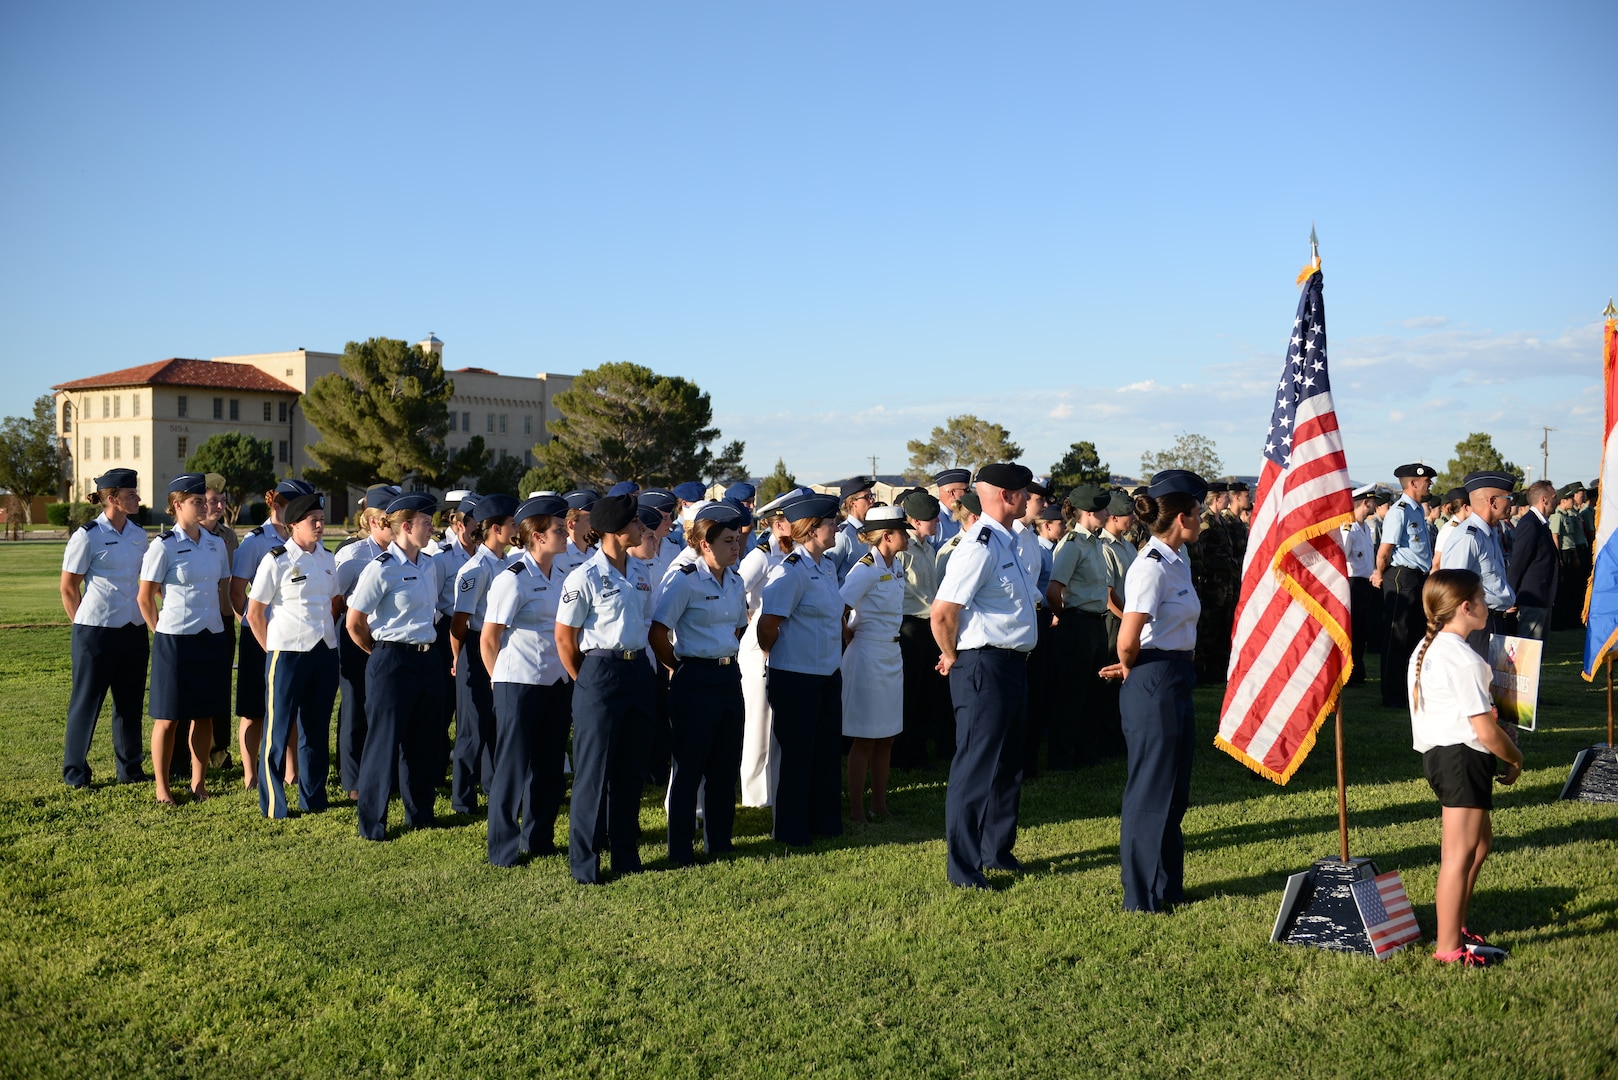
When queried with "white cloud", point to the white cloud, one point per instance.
{"points": [[1423, 322], [1061, 412]]}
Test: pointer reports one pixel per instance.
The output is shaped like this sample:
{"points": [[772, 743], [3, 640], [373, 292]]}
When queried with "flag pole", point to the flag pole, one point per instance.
{"points": [[1342, 775], [1609, 701]]}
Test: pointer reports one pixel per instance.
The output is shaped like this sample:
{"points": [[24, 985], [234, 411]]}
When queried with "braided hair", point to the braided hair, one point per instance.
{"points": [[1441, 597]]}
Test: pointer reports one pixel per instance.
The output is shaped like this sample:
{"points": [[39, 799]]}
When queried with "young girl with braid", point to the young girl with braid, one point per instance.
{"points": [[1453, 726]]}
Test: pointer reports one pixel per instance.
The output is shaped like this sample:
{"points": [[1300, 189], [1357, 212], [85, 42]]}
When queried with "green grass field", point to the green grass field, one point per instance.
{"points": [[207, 941]]}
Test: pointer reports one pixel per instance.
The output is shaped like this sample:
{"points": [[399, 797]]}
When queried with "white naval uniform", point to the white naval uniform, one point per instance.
{"points": [[873, 672], [761, 764]]}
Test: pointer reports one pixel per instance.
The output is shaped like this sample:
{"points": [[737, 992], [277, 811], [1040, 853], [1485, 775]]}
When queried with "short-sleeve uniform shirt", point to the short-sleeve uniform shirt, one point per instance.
{"points": [[803, 591], [523, 599], [611, 610], [1159, 586], [996, 594], [400, 597], [190, 572], [1475, 546], [876, 591], [1406, 529], [704, 614], [297, 585], [109, 560]]}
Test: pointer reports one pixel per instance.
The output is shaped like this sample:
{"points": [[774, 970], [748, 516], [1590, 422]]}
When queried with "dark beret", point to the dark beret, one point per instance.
{"points": [[541, 506], [494, 506], [301, 507], [1120, 504], [612, 513], [117, 478], [971, 501], [1036, 488], [189, 483], [1051, 512], [1417, 469], [920, 506], [1088, 497], [812, 506], [1456, 494], [1006, 476], [1238, 485]]}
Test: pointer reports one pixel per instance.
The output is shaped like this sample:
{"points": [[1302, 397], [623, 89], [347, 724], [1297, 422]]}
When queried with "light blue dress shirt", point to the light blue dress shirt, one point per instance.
{"points": [[472, 583], [110, 563], [703, 614], [1406, 529], [989, 578], [1476, 547], [803, 591], [190, 572], [611, 610], [1158, 585], [524, 601], [400, 598]]}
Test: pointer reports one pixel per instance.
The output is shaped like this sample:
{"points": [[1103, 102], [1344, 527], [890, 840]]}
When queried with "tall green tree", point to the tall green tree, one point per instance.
{"points": [[777, 483], [727, 466], [541, 478], [1474, 453], [1080, 465], [30, 455], [1190, 451], [621, 421], [503, 478], [383, 416], [964, 441], [246, 463]]}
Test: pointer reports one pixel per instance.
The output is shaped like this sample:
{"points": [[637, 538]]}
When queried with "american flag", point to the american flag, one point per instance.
{"points": [[1386, 911], [1289, 651]]}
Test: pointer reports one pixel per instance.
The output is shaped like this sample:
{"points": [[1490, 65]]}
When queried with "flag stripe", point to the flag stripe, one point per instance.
{"points": [[1601, 593]]}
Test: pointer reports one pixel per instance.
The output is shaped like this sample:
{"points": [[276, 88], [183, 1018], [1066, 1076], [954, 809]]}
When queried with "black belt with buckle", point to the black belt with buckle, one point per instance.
{"points": [[411, 645], [706, 661], [617, 654]]}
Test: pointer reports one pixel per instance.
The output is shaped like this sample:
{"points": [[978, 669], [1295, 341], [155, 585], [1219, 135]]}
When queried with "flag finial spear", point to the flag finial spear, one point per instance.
{"points": [[1611, 312], [1314, 245]]}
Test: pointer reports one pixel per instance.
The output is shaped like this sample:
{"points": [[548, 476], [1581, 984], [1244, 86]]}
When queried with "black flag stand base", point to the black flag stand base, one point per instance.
{"points": [[1594, 777], [1318, 907]]}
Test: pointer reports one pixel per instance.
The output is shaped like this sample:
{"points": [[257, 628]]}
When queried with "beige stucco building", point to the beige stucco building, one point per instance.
{"points": [[150, 418]]}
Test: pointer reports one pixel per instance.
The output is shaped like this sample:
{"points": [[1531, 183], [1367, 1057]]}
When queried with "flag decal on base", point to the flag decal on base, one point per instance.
{"points": [[1389, 921]]}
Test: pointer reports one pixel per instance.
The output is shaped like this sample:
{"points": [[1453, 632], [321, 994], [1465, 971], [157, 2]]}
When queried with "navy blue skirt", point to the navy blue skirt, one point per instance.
{"points": [[190, 676]]}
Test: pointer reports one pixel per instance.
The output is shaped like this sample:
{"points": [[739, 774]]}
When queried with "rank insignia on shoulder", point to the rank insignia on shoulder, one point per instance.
{"points": [[983, 535], [259, 531], [1155, 554], [868, 560], [386, 556], [689, 568], [468, 584], [278, 551], [167, 534], [88, 525], [793, 558], [570, 596], [514, 568]]}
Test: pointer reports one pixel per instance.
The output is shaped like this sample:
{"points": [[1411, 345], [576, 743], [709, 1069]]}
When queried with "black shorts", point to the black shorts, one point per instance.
{"points": [[1460, 776]]}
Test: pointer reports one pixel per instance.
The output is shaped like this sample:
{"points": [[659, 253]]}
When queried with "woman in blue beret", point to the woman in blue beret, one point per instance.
{"points": [[1156, 638], [186, 567]]}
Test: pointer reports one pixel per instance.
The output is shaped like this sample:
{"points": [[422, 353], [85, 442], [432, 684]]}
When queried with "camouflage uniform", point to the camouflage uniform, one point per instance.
{"points": [[1214, 571]]}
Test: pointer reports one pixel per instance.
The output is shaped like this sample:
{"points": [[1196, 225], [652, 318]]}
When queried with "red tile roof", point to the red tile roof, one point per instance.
{"points": [[176, 372], [473, 371]]}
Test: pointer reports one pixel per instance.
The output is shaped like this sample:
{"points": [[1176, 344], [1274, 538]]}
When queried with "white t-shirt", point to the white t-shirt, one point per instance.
{"points": [[1454, 688]]}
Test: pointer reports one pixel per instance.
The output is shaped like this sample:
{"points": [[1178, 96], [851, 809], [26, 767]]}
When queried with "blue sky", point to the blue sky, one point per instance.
{"points": [[845, 222]]}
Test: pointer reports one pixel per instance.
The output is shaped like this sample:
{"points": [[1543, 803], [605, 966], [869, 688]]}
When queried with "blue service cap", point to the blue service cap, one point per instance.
{"points": [[812, 506], [658, 499], [952, 476], [468, 503], [117, 478], [189, 483], [293, 488], [379, 495], [1489, 478], [785, 499], [494, 506], [1177, 482], [419, 501], [541, 506], [738, 506], [581, 499], [690, 491], [853, 486], [649, 516], [741, 492], [729, 516], [623, 487]]}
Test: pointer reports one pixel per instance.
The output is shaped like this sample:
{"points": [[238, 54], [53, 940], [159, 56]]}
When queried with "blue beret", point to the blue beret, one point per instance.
{"points": [[812, 506], [117, 478], [740, 492], [541, 506], [1177, 482], [1488, 478], [853, 487], [494, 506], [724, 513], [293, 488], [952, 476], [613, 513], [189, 483], [658, 499], [690, 491], [623, 487], [419, 501], [581, 499], [379, 495]]}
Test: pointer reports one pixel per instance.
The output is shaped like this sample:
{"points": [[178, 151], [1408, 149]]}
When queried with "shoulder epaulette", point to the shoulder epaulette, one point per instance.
{"points": [[1072, 535], [259, 531], [165, 534], [689, 568], [386, 556], [1155, 554], [88, 525], [279, 550], [763, 542], [793, 558], [515, 568], [869, 559], [983, 535]]}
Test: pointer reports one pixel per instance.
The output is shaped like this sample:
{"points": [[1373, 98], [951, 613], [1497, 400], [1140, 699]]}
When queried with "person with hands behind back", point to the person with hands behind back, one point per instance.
{"points": [[1454, 727]]}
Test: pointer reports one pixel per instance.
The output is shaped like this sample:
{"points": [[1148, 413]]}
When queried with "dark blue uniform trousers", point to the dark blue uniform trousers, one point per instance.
{"points": [[530, 748], [990, 691], [106, 658], [808, 731], [300, 686], [706, 717], [613, 709], [351, 725], [403, 702], [472, 765], [1159, 732], [443, 741]]}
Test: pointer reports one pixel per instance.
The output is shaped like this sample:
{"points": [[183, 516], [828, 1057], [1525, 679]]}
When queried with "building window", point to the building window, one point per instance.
{"points": [[528, 425], [67, 417], [106, 406], [135, 444], [134, 404], [502, 453], [466, 421], [490, 419], [183, 410], [87, 448], [218, 408], [283, 412], [235, 408], [502, 423], [117, 447], [452, 421], [184, 445], [106, 447], [283, 452], [117, 406], [266, 412]]}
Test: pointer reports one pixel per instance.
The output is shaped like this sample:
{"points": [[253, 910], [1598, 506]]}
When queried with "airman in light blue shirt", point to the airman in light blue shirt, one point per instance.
{"points": [[400, 598], [611, 610], [110, 562]]}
